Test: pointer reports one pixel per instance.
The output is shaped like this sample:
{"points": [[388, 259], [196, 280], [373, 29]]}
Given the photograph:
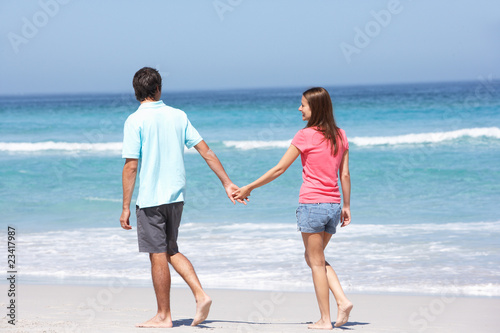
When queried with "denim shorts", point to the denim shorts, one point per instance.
{"points": [[318, 217]]}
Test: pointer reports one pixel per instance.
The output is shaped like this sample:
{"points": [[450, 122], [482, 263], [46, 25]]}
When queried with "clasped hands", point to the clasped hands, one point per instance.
{"points": [[240, 194]]}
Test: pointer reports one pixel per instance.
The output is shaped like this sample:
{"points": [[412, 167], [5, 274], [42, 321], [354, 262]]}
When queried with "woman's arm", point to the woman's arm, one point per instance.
{"points": [[291, 155], [345, 181]]}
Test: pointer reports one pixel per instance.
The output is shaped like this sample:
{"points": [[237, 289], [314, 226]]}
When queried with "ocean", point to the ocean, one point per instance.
{"points": [[425, 172]]}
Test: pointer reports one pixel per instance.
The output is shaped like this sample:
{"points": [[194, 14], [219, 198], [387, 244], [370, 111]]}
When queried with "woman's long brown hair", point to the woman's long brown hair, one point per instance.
{"points": [[322, 116]]}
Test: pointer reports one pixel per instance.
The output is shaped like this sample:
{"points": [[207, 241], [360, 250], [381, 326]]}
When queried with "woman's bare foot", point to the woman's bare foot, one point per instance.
{"points": [[202, 309], [321, 325], [343, 313], [157, 322]]}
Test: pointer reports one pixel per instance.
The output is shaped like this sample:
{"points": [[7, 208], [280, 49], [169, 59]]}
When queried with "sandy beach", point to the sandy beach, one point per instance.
{"points": [[114, 308]]}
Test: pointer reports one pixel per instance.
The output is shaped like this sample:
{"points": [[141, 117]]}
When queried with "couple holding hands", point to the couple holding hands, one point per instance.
{"points": [[156, 135]]}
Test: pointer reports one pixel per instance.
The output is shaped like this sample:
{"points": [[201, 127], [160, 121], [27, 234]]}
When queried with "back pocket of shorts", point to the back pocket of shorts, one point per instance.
{"points": [[318, 217]]}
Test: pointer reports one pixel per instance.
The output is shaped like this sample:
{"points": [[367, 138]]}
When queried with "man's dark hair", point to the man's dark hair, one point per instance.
{"points": [[146, 82]]}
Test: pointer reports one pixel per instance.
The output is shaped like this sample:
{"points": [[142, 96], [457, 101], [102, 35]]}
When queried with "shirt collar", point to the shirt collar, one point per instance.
{"points": [[151, 104]]}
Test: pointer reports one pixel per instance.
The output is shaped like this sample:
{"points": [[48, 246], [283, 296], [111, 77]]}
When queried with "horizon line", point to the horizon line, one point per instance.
{"points": [[201, 90]]}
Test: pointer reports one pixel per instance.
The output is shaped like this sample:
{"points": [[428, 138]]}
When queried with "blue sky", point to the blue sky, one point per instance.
{"points": [[73, 46]]}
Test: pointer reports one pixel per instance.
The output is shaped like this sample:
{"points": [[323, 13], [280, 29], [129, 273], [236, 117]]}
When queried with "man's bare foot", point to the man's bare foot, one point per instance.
{"points": [[202, 309], [343, 314], [157, 322], [321, 325]]}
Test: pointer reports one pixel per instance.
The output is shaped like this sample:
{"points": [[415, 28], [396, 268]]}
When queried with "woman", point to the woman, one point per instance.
{"points": [[324, 152]]}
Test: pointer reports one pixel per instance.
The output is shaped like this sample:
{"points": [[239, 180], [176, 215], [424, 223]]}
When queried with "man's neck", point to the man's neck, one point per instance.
{"points": [[149, 101]]}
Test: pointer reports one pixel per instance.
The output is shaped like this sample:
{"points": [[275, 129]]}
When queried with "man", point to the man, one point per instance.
{"points": [[156, 135]]}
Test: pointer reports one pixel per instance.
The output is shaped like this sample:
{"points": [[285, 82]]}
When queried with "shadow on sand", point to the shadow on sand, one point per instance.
{"points": [[187, 322], [350, 325]]}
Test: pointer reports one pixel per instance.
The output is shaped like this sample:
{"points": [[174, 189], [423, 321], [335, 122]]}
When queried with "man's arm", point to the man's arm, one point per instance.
{"points": [[128, 180], [216, 166]]}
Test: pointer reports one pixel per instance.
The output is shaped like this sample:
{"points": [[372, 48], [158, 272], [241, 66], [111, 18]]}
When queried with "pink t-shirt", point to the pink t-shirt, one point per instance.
{"points": [[319, 167]]}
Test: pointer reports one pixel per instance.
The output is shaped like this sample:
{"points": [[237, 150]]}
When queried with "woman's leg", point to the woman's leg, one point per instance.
{"points": [[315, 257], [343, 304]]}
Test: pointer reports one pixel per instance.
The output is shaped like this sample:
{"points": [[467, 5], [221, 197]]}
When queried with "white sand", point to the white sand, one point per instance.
{"points": [[57, 308]]}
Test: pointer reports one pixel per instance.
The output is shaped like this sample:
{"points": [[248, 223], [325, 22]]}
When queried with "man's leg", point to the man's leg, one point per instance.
{"points": [[183, 266], [161, 282]]}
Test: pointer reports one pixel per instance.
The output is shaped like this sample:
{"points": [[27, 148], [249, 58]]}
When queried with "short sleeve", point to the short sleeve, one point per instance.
{"points": [[299, 141], [131, 140], [192, 137], [345, 143]]}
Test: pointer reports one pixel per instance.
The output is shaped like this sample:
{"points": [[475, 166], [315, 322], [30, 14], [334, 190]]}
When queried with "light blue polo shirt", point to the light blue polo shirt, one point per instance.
{"points": [[156, 134]]}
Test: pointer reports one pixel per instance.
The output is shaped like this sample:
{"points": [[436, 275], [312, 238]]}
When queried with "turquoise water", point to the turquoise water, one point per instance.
{"points": [[425, 170]]}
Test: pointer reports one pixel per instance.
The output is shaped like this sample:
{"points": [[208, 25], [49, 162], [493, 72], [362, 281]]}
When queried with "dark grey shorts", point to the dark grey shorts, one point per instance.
{"points": [[158, 227]]}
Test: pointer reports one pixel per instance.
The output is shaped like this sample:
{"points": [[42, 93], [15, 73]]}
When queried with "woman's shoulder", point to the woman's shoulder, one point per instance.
{"points": [[307, 133], [301, 132], [343, 137], [308, 130]]}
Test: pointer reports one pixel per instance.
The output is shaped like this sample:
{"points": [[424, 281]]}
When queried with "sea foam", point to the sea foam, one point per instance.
{"points": [[406, 139], [413, 138], [60, 146], [455, 258], [68, 147], [432, 137], [246, 145]]}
